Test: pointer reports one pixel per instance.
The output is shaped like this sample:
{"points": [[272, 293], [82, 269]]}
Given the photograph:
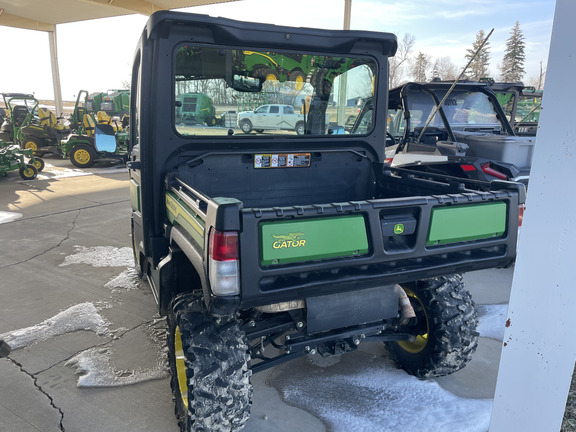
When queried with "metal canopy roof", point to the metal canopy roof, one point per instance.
{"points": [[45, 15]]}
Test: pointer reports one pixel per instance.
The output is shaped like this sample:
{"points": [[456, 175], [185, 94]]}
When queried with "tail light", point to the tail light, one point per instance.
{"points": [[223, 263], [467, 168], [521, 209]]}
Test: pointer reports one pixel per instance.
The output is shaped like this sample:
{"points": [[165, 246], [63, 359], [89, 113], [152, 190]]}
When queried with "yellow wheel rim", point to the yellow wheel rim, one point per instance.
{"points": [[37, 164], [299, 82], [422, 339], [271, 77], [31, 145], [180, 367], [82, 156], [28, 172]]}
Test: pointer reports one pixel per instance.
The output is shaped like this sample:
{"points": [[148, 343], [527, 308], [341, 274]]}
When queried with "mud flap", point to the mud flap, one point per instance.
{"points": [[351, 308]]}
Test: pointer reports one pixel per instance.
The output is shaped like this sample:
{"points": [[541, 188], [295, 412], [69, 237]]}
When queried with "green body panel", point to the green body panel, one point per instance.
{"points": [[294, 241], [180, 214], [467, 222]]}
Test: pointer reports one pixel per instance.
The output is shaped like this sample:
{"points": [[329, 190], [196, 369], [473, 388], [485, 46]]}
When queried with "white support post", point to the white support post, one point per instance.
{"points": [[55, 72], [538, 352], [342, 91]]}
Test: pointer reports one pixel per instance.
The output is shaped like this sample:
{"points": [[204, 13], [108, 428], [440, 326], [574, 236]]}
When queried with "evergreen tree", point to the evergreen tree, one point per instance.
{"points": [[420, 67], [512, 68], [479, 66]]}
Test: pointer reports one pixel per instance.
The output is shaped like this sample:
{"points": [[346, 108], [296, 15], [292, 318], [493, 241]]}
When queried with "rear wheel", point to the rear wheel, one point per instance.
{"points": [[445, 328], [83, 156], [28, 172], [31, 143], [208, 360], [246, 126]]}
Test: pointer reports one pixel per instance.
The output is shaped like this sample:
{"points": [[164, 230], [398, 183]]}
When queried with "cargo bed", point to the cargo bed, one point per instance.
{"points": [[340, 220]]}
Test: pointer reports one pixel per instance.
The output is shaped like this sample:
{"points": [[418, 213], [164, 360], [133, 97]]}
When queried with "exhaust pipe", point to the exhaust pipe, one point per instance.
{"points": [[406, 309]]}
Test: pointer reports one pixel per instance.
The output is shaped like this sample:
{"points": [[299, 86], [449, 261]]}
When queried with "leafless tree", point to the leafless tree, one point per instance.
{"points": [[444, 69], [400, 60]]}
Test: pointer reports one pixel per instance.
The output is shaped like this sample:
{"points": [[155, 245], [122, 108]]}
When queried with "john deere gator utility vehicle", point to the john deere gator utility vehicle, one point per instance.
{"points": [[262, 248]]}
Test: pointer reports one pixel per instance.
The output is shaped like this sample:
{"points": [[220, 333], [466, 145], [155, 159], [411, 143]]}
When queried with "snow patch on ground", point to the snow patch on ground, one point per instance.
{"points": [[83, 316], [6, 217], [379, 397], [108, 256], [127, 281], [492, 320], [61, 173], [100, 256], [96, 370]]}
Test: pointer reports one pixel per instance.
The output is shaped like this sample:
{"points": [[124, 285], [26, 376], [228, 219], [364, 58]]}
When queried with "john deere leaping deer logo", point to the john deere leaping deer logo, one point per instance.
{"points": [[292, 240]]}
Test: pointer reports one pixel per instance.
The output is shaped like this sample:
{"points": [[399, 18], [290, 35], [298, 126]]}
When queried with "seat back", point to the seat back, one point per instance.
{"points": [[89, 124]]}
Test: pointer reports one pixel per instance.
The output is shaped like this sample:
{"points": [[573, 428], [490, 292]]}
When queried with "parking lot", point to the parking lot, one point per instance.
{"points": [[89, 346]]}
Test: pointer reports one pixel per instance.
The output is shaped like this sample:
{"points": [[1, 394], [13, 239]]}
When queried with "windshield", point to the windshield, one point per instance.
{"points": [[222, 92], [465, 109], [528, 109]]}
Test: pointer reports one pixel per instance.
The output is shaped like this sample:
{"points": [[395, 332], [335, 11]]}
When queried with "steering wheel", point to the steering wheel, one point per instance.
{"points": [[389, 135]]}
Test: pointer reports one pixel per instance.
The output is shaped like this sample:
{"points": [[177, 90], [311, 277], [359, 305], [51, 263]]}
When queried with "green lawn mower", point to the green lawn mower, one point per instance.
{"points": [[30, 126], [13, 158]]}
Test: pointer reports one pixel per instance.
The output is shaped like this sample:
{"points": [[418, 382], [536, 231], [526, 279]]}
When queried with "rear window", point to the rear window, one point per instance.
{"points": [[220, 92]]}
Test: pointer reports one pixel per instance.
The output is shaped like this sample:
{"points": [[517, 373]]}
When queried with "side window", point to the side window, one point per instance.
{"points": [[135, 102], [288, 110], [262, 110], [274, 110]]}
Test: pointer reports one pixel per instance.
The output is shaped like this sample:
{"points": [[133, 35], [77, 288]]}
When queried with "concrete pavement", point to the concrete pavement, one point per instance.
{"points": [[58, 216]]}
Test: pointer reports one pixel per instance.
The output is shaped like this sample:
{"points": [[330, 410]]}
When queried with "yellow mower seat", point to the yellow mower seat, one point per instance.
{"points": [[47, 118], [104, 119], [89, 124]]}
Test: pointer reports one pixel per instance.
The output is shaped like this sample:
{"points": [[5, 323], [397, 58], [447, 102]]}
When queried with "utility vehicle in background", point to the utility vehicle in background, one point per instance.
{"points": [[522, 105], [468, 135], [261, 248]]}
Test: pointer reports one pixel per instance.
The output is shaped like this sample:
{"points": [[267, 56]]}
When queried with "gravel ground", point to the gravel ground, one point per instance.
{"points": [[569, 422]]}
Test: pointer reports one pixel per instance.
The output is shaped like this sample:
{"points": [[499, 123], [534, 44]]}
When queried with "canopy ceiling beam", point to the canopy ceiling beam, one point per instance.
{"points": [[10, 20], [129, 6]]}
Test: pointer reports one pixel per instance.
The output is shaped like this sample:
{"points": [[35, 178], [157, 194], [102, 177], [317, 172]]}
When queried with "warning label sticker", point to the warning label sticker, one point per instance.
{"points": [[284, 160]]}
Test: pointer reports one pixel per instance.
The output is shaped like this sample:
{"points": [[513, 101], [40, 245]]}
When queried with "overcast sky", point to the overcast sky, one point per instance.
{"points": [[97, 55]]}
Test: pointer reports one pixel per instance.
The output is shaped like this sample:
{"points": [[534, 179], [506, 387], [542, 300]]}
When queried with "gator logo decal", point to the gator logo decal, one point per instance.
{"points": [[292, 240]]}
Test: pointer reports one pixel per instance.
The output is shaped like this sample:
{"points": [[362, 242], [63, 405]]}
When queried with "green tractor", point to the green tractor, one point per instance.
{"points": [[94, 101], [116, 103]]}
